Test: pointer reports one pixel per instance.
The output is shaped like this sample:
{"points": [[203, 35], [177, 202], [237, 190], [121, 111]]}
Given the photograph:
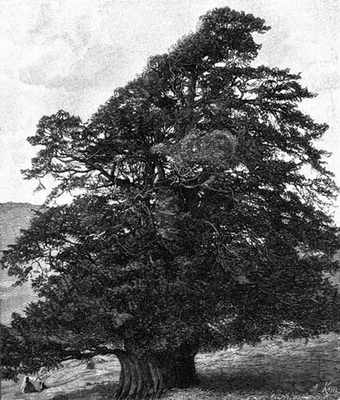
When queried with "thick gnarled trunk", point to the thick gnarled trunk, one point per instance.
{"points": [[149, 377], [140, 378]]}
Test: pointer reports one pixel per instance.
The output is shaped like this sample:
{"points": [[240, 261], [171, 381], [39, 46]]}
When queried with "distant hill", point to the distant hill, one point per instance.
{"points": [[13, 218]]}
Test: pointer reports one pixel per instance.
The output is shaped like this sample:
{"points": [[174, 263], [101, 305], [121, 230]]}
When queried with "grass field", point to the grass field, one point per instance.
{"points": [[273, 370]]}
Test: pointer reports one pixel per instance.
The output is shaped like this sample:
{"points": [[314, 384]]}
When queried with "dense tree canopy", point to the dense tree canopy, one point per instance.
{"points": [[200, 212]]}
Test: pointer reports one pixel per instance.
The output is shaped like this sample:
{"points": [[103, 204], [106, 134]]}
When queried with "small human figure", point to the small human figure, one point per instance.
{"points": [[27, 386]]}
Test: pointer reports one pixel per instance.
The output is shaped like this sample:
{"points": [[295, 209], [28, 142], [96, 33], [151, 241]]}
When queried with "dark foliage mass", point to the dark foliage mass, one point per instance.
{"points": [[200, 212]]}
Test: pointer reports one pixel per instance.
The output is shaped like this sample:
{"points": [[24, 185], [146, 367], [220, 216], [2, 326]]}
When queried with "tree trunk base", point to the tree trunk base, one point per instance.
{"points": [[143, 378]]}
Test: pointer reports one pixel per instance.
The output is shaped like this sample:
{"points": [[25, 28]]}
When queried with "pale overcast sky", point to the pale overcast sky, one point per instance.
{"points": [[71, 54]]}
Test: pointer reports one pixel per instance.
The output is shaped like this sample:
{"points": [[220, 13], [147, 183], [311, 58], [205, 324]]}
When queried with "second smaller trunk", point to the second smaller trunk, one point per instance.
{"points": [[178, 369], [178, 366]]}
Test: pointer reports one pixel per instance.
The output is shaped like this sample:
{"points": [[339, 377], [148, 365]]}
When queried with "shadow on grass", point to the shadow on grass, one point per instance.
{"points": [[288, 367], [260, 381], [223, 383]]}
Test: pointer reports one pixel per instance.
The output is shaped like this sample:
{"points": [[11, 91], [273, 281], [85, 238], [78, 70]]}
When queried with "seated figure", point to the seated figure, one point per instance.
{"points": [[27, 386]]}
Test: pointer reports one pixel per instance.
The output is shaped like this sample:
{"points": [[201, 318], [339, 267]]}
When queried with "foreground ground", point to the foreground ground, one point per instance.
{"points": [[273, 370]]}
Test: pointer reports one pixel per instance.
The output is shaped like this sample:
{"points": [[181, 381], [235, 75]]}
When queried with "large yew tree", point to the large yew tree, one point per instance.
{"points": [[200, 216]]}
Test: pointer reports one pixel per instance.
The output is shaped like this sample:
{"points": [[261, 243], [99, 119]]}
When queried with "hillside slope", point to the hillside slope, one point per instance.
{"points": [[13, 218]]}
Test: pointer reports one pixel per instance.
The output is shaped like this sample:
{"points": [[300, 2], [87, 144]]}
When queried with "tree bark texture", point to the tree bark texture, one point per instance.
{"points": [[149, 377]]}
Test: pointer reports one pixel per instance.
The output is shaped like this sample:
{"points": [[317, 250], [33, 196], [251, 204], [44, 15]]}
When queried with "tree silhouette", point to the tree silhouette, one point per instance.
{"points": [[193, 221]]}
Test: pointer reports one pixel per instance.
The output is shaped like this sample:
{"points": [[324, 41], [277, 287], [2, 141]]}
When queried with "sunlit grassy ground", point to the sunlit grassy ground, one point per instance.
{"points": [[273, 370]]}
